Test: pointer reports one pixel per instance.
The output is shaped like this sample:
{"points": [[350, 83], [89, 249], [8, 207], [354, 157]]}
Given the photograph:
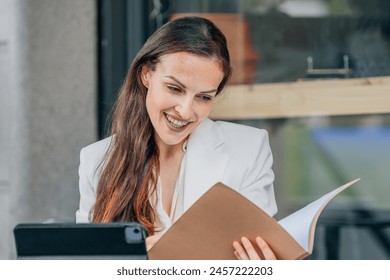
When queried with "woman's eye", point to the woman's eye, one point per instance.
{"points": [[174, 89], [206, 98]]}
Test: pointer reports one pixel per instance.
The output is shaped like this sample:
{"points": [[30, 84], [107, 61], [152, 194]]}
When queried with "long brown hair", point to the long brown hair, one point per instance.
{"points": [[131, 167]]}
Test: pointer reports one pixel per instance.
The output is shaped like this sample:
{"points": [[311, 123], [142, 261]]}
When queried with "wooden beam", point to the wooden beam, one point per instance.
{"points": [[304, 98]]}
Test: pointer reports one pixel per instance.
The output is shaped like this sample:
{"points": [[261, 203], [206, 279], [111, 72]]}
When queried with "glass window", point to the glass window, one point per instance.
{"points": [[293, 36]]}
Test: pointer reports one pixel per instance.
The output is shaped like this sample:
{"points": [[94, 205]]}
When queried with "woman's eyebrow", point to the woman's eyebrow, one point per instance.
{"points": [[184, 87], [177, 81], [209, 91]]}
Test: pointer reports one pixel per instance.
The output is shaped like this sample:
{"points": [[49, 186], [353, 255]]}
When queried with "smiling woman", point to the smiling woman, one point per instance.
{"points": [[164, 152]]}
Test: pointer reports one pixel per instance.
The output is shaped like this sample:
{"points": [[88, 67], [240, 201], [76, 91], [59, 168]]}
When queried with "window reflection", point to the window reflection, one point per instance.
{"points": [[285, 33]]}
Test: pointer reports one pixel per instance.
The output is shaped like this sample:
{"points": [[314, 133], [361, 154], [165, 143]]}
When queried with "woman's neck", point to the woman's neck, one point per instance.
{"points": [[169, 151]]}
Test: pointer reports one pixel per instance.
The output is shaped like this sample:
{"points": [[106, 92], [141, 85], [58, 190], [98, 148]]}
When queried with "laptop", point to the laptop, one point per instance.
{"points": [[80, 241]]}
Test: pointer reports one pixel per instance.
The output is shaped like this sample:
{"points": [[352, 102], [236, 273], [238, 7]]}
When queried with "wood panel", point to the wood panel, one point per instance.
{"points": [[304, 98]]}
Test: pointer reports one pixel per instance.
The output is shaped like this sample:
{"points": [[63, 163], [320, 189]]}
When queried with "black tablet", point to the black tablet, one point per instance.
{"points": [[80, 241]]}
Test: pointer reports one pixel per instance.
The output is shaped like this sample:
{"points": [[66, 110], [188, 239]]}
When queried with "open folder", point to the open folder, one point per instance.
{"points": [[209, 227]]}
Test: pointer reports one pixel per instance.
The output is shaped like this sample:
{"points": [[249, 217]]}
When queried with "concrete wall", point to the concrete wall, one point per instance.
{"points": [[47, 108]]}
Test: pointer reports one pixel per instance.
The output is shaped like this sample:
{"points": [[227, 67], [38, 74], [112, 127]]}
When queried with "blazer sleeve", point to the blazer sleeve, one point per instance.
{"points": [[87, 191], [258, 182], [91, 159]]}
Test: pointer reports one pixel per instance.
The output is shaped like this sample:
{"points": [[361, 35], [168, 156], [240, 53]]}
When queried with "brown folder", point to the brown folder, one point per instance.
{"points": [[207, 230]]}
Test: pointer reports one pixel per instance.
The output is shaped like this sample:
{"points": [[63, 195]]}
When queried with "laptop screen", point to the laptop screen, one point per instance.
{"points": [[80, 241]]}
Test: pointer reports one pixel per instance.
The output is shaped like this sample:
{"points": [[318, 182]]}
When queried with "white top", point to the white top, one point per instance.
{"points": [[165, 221]]}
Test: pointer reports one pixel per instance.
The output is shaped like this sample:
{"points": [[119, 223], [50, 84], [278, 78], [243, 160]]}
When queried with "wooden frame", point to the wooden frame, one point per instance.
{"points": [[304, 98]]}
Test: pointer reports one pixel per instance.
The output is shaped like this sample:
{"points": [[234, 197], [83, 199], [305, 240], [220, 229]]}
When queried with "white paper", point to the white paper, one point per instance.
{"points": [[301, 224]]}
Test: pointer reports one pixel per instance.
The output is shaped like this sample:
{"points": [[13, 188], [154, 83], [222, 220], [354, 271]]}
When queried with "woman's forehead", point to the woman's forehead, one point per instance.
{"points": [[191, 69], [188, 60]]}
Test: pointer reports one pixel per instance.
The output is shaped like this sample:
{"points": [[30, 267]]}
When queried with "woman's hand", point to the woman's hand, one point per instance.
{"points": [[246, 251], [151, 240]]}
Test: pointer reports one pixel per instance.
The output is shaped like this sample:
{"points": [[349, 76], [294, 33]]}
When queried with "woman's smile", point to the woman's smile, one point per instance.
{"points": [[178, 124]]}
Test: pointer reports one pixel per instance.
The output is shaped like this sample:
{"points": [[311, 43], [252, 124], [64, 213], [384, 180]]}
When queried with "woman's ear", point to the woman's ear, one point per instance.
{"points": [[145, 75]]}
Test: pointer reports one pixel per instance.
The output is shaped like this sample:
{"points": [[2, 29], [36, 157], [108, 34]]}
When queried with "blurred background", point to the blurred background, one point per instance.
{"points": [[314, 73]]}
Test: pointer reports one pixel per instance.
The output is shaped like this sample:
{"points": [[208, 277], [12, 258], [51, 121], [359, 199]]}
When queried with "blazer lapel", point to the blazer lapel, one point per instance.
{"points": [[205, 161]]}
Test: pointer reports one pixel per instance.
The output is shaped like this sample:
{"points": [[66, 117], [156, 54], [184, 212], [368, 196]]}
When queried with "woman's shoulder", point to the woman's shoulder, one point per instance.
{"points": [[236, 137], [240, 131], [246, 145], [101, 145], [96, 151]]}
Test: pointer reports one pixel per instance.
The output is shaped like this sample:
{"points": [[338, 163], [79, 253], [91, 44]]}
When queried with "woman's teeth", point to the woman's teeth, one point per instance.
{"points": [[176, 123]]}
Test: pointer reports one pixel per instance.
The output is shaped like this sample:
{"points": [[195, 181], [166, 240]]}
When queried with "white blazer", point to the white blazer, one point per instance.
{"points": [[236, 155]]}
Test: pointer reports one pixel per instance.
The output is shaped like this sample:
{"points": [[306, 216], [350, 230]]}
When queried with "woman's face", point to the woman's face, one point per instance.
{"points": [[181, 92]]}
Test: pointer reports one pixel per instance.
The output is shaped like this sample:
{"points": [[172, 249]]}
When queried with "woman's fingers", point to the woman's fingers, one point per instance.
{"points": [[240, 252], [244, 250], [151, 240], [250, 250], [237, 255], [267, 252]]}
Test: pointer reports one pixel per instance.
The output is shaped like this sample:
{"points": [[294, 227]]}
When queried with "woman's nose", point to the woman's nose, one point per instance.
{"points": [[185, 108]]}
